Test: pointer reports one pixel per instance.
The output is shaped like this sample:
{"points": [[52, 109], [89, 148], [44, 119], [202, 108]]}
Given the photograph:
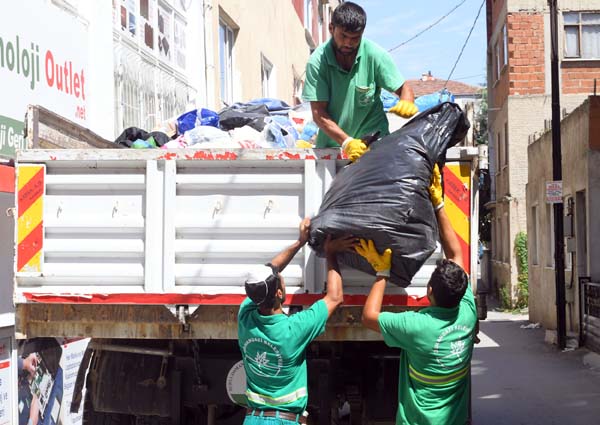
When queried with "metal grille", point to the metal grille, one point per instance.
{"points": [[589, 313], [147, 92]]}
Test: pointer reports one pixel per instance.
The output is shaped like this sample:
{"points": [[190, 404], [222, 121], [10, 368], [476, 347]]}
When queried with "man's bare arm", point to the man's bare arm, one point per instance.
{"points": [[324, 121], [450, 242], [405, 92]]}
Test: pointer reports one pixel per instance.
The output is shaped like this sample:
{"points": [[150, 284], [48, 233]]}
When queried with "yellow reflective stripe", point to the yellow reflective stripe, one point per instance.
{"points": [[437, 380], [276, 401]]}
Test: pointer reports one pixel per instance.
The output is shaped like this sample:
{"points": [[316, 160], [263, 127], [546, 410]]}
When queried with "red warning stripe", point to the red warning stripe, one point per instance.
{"points": [[456, 190], [5, 365], [466, 252], [204, 299], [30, 246], [31, 192]]}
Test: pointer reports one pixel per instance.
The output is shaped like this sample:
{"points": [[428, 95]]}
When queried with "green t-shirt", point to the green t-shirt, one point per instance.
{"points": [[273, 350], [437, 344], [354, 96]]}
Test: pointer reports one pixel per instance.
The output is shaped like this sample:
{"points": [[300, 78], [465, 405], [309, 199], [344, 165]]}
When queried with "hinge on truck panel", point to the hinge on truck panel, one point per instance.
{"points": [[183, 312]]}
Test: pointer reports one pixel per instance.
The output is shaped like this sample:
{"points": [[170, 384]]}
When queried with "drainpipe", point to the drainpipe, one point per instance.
{"points": [[209, 60]]}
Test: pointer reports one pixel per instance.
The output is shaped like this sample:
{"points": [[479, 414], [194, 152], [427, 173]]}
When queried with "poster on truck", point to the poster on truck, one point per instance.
{"points": [[43, 61], [47, 372]]}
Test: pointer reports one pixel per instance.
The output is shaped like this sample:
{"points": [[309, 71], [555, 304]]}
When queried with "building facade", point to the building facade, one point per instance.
{"points": [[580, 142], [519, 102]]}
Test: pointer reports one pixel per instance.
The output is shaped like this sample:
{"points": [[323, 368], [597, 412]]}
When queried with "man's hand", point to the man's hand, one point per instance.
{"points": [[334, 246], [304, 232], [435, 189], [404, 108], [30, 364], [381, 263], [354, 148]]}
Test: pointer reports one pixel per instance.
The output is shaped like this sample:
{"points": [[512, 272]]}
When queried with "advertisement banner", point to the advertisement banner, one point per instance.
{"points": [[47, 377], [6, 391], [41, 62]]}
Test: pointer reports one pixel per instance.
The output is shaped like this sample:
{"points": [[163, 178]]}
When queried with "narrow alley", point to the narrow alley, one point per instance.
{"points": [[518, 379]]}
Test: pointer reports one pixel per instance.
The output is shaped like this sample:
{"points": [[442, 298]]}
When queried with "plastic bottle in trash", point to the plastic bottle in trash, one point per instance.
{"points": [[310, 129]]}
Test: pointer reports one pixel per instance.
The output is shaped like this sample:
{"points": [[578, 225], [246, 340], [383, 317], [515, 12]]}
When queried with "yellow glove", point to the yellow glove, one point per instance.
{"points": [[381, 263], [404, 108], [435, 190], [354, 148]]}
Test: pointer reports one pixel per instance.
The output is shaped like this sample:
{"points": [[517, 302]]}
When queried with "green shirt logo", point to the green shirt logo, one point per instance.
{"points": [[263, 358]]}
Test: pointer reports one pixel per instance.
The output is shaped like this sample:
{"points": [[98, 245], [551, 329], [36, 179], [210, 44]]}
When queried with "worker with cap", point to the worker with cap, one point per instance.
{"points": [[273, 344]]}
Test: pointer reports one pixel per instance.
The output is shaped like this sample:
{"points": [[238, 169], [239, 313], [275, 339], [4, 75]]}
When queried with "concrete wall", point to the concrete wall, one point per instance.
{"points": [[580, 174], [272, 29]]}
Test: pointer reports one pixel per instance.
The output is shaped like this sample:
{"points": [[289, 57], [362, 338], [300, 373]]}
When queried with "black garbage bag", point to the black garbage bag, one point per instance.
{"points": [[241, 114], [131, 134], [384, 195]]}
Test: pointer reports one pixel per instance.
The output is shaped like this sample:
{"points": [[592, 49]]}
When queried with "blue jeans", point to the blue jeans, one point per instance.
{"points": [[259, 420]]}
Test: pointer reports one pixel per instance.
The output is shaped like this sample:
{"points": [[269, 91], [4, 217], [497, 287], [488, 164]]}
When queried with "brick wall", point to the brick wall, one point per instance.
{"points": [[526, 53], [578, 77]]}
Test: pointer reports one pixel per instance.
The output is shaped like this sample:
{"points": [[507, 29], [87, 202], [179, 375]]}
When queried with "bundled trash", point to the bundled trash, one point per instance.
{"points": [[384, 195], [260, 123]]}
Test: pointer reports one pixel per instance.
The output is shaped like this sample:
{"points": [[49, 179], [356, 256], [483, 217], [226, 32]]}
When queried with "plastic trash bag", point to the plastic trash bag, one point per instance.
{"points": [[280, 133], [195, 118], [388, 100], [430, 100], [204, 134], [239, 115], [384, 195]]}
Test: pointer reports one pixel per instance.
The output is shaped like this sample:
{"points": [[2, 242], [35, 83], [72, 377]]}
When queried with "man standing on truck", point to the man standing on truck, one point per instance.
{"points": [[437, 341], [273, 344], [343, 83]]}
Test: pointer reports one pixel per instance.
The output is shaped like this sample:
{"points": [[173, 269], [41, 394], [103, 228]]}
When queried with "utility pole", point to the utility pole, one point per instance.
{"points": [[559, 241]]}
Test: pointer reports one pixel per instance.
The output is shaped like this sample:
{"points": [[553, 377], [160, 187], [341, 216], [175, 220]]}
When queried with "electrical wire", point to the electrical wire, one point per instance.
{"points": [[465, 43], [428, 28]]}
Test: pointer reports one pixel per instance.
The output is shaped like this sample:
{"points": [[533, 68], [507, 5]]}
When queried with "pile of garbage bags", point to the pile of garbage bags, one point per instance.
{"points": [[260, 123]]}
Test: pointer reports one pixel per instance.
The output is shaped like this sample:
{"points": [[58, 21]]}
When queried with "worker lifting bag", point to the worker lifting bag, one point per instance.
{"points": [[384, 195]]}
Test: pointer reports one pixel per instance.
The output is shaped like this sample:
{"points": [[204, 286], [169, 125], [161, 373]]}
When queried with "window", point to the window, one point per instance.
{"points": [[550, 233], [308, 15], [266, 75], [179, 36], [154, 26], [500, 149], [164, 32], [505, 240], [582, 35], [505, 162], [505, 46], [499, 246], [533, 240], [226, 62], [498, 61]]}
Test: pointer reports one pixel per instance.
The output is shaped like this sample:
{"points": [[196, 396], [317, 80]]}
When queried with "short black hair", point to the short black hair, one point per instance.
{"points": [[350, 16], [448, 283]]}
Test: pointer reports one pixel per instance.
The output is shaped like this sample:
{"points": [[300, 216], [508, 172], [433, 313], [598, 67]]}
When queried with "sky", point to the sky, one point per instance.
{"points": [[391, 22]]}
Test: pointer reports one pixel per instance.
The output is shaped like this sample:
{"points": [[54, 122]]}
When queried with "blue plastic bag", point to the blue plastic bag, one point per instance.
{"points": [[388, 99], [195, 118], [280, 132], [428, 101], [271, 104]]}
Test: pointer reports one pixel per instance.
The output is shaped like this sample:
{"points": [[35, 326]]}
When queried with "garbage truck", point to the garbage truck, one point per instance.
{"points": [[139, 257]]}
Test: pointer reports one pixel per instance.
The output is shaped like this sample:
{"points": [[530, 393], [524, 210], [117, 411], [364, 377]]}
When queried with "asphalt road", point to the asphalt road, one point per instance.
{"points": [[518, 379]]}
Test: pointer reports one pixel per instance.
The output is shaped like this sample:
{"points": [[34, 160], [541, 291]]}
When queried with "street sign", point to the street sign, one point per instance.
{"points": [[554, 192]]}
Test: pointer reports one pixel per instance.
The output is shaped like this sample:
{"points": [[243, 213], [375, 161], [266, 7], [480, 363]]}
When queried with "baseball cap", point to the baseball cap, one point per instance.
{"points": [[261, 284]]}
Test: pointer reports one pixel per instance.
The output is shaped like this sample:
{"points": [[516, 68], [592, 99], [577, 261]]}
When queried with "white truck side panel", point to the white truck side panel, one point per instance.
{"points": [[127, 221]]}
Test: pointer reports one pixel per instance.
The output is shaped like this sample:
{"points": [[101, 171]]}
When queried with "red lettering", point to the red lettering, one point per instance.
{"points": [[49, 69], [82, 86], [66, 72], [76, 84]]}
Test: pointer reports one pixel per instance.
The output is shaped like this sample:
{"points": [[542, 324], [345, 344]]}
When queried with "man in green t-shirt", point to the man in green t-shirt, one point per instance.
{"points": [[273, 344], [436, 342], [344, 78]]}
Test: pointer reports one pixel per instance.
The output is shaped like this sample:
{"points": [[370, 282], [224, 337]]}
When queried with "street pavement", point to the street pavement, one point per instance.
{"points": [[518, 379]]}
